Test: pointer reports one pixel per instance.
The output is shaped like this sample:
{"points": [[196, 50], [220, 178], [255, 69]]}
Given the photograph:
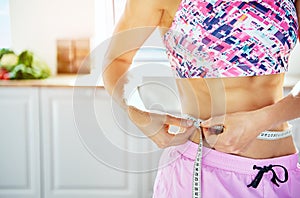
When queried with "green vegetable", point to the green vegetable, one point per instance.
{"points": [[9, 60], [26, 58], [24, 66], [5, 51], [40, 67]]}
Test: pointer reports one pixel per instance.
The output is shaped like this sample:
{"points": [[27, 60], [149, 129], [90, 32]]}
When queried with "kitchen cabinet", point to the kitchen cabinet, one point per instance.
{"points": [[44, 154], [19, 143], [78, 161]]}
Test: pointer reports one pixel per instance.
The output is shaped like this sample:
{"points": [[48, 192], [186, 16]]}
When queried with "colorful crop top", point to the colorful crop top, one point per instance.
{"points": [[217, 38]]}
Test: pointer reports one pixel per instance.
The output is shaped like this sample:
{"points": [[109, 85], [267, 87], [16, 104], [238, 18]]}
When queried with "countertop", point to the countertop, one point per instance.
{"points": [[66, 80], [62, 80]]}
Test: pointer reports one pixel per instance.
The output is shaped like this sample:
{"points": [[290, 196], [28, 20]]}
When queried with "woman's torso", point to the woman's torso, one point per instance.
{"points": [[206, 97]]}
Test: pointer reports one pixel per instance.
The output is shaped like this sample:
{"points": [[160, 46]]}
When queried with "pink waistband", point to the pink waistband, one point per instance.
{"points": [[235, 163]]}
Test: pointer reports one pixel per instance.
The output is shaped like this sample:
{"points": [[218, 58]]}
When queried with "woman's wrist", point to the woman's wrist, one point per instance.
{"points": [[266, 118], [277, 113]]}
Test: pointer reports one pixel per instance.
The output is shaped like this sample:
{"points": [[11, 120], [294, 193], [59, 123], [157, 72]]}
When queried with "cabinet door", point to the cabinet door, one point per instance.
{"points": [[74, 146], [19, 140]]}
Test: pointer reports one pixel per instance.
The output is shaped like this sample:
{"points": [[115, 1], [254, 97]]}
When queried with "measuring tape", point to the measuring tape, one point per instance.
{"points": [[198, 160], [197, 172], [266, 135]]}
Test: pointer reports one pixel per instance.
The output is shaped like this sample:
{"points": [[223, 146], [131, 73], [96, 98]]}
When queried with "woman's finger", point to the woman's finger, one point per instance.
{"points": [[163, 139], [214, 125], [181, 138], [172, 120], [211, 138], [213, 122]]}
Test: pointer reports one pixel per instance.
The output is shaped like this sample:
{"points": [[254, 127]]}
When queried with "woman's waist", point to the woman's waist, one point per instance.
{"points": [[205, 98], [242, 164], [260, 148]]}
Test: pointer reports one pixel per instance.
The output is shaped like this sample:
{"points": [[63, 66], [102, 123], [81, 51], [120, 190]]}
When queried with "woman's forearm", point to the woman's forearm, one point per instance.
{"points": [[115, 79], [118, 59], [111, 76], [284, 110], [134, 27]]}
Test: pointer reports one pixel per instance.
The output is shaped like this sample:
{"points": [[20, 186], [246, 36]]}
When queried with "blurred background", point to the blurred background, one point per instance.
{"points": [[63, 136]]}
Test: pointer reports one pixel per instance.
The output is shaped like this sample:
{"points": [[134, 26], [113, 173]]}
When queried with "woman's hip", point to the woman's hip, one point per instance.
{"points": [[224, 174]]}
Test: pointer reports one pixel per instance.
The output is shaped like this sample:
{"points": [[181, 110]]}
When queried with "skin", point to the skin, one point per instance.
{"points": [[245, 106]]}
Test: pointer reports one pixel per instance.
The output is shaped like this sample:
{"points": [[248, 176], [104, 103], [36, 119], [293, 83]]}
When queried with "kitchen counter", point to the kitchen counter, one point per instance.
{"points": [[69, 80], [62, 80]]}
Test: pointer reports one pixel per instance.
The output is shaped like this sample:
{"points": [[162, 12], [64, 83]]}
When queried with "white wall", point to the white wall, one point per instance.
{"points": [[294, 62], [5, 24], [36, 24]]}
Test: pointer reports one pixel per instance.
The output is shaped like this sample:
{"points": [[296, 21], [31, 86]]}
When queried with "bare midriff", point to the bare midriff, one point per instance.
{"points": [[205, 98]]}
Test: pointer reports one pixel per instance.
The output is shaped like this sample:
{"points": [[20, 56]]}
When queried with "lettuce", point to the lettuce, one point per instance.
{"points": [[24, 66], [5, 51]]}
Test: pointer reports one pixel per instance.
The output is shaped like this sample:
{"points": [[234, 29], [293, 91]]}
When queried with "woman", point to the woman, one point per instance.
{"points": [[229, 58]]}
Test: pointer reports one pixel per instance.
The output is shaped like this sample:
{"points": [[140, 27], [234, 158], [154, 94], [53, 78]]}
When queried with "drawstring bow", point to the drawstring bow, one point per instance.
{"points": [[265, 169]]}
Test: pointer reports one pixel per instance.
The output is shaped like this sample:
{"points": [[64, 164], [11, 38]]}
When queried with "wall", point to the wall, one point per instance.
{"points": [[5, 24], [36, 24], [294, 62]]}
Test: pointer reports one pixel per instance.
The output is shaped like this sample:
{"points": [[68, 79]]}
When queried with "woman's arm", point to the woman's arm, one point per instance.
{"points": [[242, 128], [138, 21], [286, 109]]}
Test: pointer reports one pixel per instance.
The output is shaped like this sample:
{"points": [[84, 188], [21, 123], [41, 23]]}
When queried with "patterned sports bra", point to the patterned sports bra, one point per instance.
{"points": [[231, 38]]}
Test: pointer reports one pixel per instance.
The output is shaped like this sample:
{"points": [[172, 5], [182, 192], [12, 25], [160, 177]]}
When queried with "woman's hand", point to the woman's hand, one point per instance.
{"points": [[240, 129], [156, 127]]}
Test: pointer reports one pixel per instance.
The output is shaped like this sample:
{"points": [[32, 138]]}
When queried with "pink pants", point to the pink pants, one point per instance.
{"points": [[224, 175]]}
